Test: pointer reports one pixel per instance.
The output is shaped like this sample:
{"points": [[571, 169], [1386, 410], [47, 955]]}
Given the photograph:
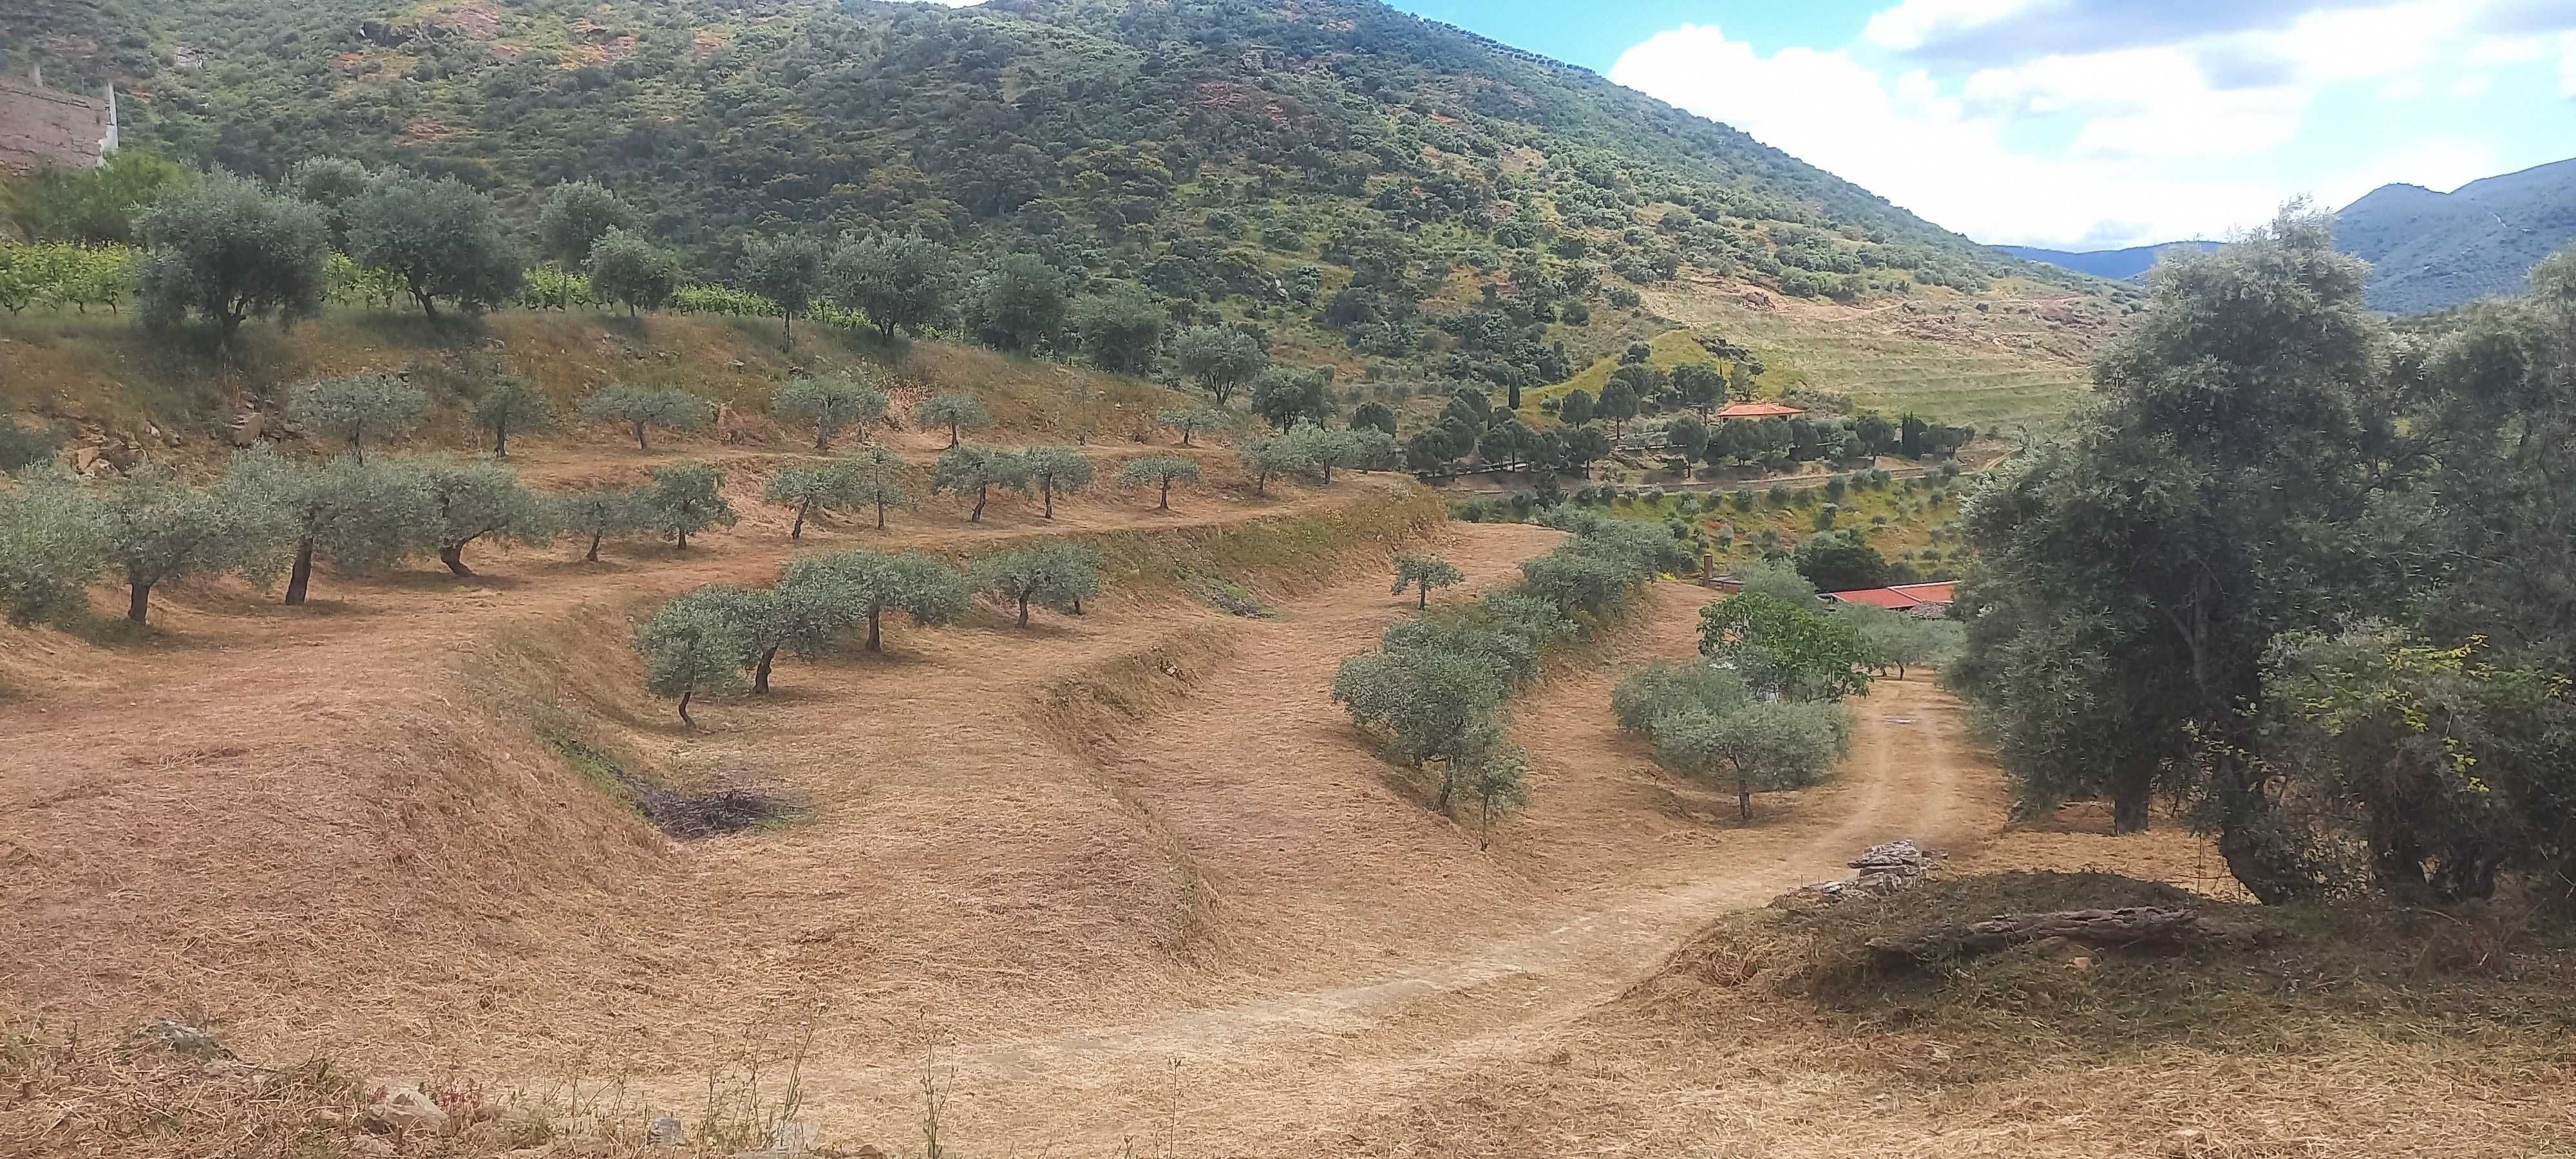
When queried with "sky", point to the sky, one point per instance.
{"points": [[2093, 124]]}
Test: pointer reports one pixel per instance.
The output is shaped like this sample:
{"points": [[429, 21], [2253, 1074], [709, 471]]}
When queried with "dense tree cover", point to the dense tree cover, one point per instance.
{"points": [[100, 206], [2286, 558]]}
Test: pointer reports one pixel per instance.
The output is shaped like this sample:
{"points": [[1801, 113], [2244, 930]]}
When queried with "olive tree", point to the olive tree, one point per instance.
{"points": [[1424, 572], [1663, 689], [1053, 575], [684, 499], [1220, 358], [644, 407], [439, 239], [359, 517], [957, 412], [353, 408], [830, 404], [788, 271], [599, 514], [1427, 705], [877, 582], [1496, 784], [513, 404], [158, 529], [1160, 470], [226, 250], [804, 613], [904, 280], [1778, 744], [330, 185], [51, 546], [877, 480], [479, 500], [1121, 331], [1018, 303], [628, 267], [696, 643], [810, 488], [1324, 449], [577, 216], [963, 470], [1191, 420], [1267, 455], [1056, 471]]}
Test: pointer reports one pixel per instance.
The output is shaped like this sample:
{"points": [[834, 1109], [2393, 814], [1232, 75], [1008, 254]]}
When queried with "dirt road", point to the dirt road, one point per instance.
{"points": [[1376, 981]]}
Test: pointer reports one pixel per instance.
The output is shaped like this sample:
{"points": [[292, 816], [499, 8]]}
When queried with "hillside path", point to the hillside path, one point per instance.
{"points": [[1381, 995]]}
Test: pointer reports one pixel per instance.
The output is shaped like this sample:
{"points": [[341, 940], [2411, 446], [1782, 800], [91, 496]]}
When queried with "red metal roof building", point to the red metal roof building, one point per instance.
{"points": [[1903, 598], [1758, 410]]}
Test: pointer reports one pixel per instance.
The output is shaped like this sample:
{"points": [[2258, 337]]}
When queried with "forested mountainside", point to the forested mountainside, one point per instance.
{"points": [[2432, 251], [1343, 173]]}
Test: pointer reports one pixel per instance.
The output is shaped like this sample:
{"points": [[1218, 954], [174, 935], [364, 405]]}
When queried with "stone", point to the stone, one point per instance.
{"points": [[370, 1145], [794, 1137], [184, 1038], [248, 427], [394, 1107], [665, 1131]]}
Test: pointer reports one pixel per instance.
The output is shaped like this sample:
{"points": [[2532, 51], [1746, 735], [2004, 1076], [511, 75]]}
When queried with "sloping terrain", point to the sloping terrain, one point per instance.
{"points": [[2432, 251], [1385, 195]]}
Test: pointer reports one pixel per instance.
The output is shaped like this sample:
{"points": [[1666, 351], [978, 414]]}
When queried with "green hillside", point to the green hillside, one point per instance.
{"points": [[1375, 192]]}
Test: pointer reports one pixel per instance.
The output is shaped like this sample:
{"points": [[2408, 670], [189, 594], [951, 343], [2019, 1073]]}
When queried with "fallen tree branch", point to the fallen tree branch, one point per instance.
{"points": [[2130, 926]]}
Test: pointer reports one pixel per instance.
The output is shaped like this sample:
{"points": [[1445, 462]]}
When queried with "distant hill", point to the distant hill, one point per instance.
{"points": [[2117, 265], [2427, 250], [1366, 187], [2431, 251]]}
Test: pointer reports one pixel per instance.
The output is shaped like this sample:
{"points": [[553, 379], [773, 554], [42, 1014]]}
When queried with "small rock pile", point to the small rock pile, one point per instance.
{"points": [[1884, 869]]}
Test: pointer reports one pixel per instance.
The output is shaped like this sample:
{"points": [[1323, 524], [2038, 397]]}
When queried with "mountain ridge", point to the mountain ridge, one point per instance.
{"points": [[2428, 250]]}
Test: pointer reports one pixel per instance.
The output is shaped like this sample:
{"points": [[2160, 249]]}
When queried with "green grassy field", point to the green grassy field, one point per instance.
{"points": [[2008, 366], [1908, 520]]}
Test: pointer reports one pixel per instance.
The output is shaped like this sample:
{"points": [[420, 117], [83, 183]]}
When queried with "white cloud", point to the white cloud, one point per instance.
{"points": [[2195, 134], [1909, 142], [1914, 23]]}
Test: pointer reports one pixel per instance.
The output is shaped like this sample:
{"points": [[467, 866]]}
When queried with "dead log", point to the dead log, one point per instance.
{"points": [[2129, 926]]}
